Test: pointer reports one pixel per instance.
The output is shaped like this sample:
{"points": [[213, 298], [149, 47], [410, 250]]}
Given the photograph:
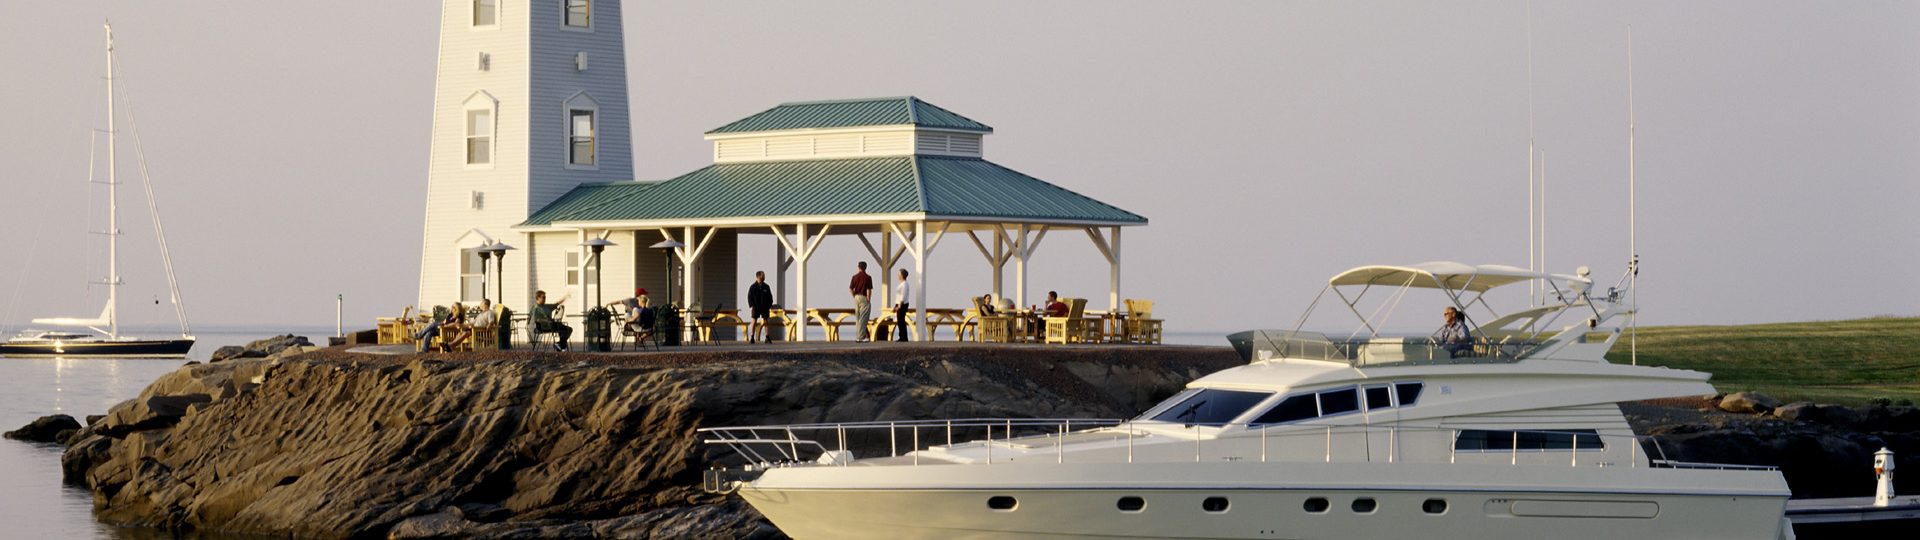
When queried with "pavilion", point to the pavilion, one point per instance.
{"points": [[896, 174]]}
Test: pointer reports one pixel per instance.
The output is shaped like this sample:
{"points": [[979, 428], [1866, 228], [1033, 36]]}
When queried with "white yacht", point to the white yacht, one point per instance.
{"points": [[1512, 432]]}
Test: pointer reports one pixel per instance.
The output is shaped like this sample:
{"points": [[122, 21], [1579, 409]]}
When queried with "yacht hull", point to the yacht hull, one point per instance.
{"points": [[1487, 504], [147, 348]]}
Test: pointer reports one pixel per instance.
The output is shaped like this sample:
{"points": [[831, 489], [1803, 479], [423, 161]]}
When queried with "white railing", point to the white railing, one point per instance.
{"points": [[1028, 438]]}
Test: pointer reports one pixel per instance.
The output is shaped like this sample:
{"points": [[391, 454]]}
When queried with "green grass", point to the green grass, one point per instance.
{"points": [[1838, 362]]}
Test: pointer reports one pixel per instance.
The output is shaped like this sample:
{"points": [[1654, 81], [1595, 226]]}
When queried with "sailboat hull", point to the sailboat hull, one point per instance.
{"points": [[144, 348]]}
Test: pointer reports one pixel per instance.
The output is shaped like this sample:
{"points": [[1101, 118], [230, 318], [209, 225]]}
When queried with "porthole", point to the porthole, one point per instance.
{"points": [[1002, 503], [1131, 504], [1214, 504], [1434, 506], [1316, 505], [1365, 505]]}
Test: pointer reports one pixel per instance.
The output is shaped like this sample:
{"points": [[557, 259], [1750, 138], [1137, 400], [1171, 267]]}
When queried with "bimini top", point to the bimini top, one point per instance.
{"points": [[1446, 275]]}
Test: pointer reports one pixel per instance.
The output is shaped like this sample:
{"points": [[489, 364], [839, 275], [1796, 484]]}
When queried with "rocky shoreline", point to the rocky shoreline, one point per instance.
{"points": [[310, 442], [323, 443]]}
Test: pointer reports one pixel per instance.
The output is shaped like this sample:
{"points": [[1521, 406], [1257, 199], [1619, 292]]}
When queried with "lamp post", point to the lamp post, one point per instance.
{"points": [[669, 245], [597, 245], [485, 255], [499, 251]]}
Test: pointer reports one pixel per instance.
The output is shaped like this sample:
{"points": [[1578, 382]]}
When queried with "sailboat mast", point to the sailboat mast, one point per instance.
{"points": [[113, 205]]}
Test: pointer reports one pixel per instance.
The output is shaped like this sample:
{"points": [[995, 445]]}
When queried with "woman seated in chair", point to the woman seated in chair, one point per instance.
{"points": [[455, 332], [639, 310]]}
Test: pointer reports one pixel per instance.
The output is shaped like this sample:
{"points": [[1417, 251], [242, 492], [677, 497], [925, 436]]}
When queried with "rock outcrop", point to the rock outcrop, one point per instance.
{"points": [[1748, 403], [260, 348], [331, 444], [46, 429], [1823, 451]]}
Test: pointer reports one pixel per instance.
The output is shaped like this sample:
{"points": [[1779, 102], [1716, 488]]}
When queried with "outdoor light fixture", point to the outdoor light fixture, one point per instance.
{"points": [[499, 251], [669, 245], [597, 245]]}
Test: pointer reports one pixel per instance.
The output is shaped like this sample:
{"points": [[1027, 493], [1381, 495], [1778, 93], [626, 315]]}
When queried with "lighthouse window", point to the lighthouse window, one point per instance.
{"points": [[580, 147], [485, 12], [479, 137], [579, 13], [1211, 406]]}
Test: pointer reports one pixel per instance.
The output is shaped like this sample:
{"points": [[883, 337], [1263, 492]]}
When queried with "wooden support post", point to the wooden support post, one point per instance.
{"points": [[920, 280]]}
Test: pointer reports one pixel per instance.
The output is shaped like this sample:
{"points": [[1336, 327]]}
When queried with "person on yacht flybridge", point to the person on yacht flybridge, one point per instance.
{"points": [[1454, 336]]}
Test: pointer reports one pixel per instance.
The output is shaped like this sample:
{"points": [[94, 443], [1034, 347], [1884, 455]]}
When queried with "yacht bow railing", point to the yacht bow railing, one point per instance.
{"points": [[834, 444]]}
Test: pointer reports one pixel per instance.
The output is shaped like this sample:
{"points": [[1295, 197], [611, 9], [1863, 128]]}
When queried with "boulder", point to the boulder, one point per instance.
{"points": [[233, 351], [45, 429], [1792, 412], [150, 413], [1748, 403]]}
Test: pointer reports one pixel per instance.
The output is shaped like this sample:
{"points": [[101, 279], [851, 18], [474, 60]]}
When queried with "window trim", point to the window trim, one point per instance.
{"points": [[565, 9], [1320, 410], [580, 101], [480, 101], [462, 257], [473, 14]]}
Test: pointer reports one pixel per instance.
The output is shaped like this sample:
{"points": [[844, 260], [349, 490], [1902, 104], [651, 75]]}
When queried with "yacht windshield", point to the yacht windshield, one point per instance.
{"points": [[1211, 406]]}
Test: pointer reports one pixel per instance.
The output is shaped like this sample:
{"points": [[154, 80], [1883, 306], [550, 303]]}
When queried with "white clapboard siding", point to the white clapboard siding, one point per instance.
{"points": [[530, 72]]}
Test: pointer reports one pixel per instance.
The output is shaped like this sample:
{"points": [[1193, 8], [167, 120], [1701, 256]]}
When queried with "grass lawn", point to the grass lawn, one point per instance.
{"points": [[1836, 362]]}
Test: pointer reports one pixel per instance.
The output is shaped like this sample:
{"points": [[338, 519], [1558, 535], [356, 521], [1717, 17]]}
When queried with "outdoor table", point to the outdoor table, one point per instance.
{"points": [[725, 317], [937, 318], [830, 320]]}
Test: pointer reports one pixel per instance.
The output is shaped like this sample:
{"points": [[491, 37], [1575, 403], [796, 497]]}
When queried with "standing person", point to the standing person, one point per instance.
{"points": [[760, 299], [1454, 336], [900, 309], [861, 287], [544, 321]]}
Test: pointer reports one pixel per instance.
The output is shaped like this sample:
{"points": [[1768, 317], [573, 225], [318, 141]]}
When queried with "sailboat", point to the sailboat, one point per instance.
{"points": [[103, 338]]}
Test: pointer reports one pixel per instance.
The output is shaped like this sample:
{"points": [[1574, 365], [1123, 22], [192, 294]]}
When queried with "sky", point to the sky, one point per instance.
{"points": [[1271, 144]]}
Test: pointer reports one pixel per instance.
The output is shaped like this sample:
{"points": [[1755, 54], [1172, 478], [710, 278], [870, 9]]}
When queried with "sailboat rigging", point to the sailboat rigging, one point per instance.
{"points": [[105, 339]]}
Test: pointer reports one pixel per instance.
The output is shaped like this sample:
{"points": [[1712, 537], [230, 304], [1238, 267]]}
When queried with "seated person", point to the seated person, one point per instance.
{"points": [[1454, 336], [456, 330], [986, 305], [486, 320], [1056, 308], [544, 321], [639, 310]]}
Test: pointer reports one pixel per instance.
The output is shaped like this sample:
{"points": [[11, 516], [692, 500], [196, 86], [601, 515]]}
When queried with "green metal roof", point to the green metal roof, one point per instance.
{"points": [[936, 186], [585, 196], [890, 111]]}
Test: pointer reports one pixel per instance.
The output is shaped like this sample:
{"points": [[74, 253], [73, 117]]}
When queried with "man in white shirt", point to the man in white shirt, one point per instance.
{"points": [[900, 309]]}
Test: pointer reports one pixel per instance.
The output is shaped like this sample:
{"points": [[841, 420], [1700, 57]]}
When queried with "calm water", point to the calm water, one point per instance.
{"points": [[36, 504]]}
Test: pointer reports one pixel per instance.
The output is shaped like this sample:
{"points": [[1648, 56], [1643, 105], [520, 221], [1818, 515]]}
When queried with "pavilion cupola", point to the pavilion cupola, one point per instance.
{"points": [[839, 129]]}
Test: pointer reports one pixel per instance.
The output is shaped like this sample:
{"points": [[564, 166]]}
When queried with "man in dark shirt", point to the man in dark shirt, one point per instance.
{"points": [[544, 321], [760, 300], [1056, 308], [861, 287]]}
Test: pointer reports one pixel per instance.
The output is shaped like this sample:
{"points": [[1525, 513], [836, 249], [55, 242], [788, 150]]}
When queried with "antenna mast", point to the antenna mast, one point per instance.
{"points": [[1633, 246], [1533, 287]]}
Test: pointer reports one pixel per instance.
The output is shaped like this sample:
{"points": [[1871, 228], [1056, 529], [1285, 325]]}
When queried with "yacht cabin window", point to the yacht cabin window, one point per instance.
{"points": [[1307, 406], [1211, 406], [1491, 440]]}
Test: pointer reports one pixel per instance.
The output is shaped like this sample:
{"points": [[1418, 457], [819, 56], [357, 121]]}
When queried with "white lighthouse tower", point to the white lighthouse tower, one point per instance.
{"points": [[530, 100]]}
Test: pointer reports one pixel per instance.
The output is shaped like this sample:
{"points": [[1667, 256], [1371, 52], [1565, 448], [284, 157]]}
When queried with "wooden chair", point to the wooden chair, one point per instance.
{"points": [[396, 331], [486, 337], [1071, 328], [1141, 326]]}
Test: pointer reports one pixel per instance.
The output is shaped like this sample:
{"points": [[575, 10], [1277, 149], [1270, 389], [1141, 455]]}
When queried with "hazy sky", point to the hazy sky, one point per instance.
{"points": [[1272, 144]]}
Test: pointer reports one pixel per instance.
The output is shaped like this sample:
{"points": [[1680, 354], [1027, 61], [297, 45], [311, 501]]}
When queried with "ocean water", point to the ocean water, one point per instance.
{"points": [[36, 504]]}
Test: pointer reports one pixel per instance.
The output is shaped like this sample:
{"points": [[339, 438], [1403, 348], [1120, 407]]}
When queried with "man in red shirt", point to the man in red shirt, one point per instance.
{"points": [[1056, 308], [862, 310]]}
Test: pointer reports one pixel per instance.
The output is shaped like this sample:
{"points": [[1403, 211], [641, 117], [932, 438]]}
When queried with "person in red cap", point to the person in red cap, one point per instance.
{"points": [[639, 312]]}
